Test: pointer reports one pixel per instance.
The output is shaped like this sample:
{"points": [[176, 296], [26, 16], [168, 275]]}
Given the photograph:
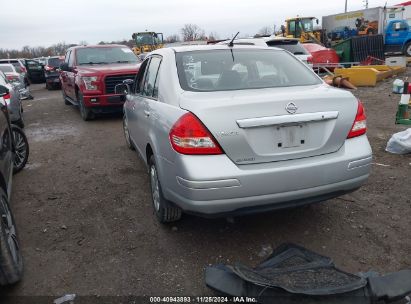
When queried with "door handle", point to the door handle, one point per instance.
{"points": [[147, 113]]}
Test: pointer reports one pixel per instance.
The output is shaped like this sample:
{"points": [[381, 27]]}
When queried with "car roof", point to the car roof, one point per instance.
{"points": [[189, 48], [98, 46], [7, 64]]}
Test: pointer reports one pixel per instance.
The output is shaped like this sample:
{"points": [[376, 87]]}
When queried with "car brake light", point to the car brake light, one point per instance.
{"points": [[310, 59], [359, 126], [48, 68], [23, 69], [7, 96], [190, 136]]}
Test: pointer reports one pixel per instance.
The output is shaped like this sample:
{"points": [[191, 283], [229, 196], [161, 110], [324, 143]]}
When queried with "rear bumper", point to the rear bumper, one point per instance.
{"points": [[211, 185]]}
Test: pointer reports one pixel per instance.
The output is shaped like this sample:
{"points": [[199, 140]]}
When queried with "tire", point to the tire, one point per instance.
{"points": [[164, 210], [21, 146], [48, 86], [127, 133], [66, 102], [11, 260], [85, 112], [407, 49]]}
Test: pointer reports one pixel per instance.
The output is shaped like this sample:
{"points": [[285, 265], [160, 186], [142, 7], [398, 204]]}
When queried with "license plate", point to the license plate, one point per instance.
{"points": [[291, 136]]}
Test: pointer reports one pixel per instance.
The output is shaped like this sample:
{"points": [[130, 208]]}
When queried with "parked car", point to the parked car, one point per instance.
{"points": [[90, 73], [11, 73], [234, 130], [292, 45], [20, 67], [35, 71], [11, 261], [12, 99], [52, 71]]}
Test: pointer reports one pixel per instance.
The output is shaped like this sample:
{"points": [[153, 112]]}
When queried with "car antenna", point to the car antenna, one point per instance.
{"points": [[231, 44]]}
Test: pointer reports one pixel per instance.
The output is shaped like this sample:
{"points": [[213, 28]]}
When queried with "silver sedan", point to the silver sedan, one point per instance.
{"points": [[13, 100], [227, 131]]}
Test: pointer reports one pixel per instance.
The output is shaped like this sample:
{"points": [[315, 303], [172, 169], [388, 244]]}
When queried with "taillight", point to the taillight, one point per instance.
{"points": [[48, 68], [7, 96], [359, 126], [23, 69], [190, 136], [310, 59]]}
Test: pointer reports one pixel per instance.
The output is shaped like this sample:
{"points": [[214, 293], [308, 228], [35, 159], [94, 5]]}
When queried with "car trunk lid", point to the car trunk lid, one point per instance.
{"points": [[275, 124]]}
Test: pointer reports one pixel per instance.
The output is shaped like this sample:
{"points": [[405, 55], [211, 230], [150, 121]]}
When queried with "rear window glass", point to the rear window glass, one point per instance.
{"points": [[105, 55], [221, 70], [6, 68], [54, 62], [292, 46]]}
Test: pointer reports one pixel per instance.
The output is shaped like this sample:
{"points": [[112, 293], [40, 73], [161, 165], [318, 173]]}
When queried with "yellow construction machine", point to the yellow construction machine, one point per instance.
{"points": [[302, 28], [147, 42]]}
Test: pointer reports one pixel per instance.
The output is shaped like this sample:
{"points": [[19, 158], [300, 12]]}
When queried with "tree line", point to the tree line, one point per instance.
{"points": [[189, 32]]}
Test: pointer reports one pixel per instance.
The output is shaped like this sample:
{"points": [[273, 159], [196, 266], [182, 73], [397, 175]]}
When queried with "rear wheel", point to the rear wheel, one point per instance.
{"points": [[21, 147], [164, 210], [11, 261], [66, 102], [85, 112]]}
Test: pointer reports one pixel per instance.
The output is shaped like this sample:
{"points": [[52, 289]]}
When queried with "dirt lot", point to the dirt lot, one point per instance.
{"points": [[86, 225]]}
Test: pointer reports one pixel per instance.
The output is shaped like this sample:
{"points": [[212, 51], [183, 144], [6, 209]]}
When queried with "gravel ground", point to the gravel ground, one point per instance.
{"points": [[86, 225]]}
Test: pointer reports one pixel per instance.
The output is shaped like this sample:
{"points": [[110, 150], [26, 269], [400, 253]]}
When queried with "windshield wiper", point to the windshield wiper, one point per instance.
{"points": [[122, 61], [93, 63]]}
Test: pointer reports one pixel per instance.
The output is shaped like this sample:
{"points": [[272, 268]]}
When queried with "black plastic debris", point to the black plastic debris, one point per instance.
{"points": [[293, 274]]}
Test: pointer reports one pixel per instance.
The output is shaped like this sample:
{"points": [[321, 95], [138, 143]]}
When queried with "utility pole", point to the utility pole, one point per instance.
{"points": [[366, 3], [346, 5]]}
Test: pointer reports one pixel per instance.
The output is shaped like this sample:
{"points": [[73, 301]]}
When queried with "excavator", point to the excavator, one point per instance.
{"points": [[147, 42], [302, 28]]}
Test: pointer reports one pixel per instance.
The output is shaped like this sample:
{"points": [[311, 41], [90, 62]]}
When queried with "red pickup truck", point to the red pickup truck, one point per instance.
{"points": [[89, 75]]}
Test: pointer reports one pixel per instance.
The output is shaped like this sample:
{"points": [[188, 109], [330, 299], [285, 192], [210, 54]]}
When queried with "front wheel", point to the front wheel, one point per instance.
{"points": [[164, 210], [85, 112], [21, 148], [407, 49], [11, 261]]}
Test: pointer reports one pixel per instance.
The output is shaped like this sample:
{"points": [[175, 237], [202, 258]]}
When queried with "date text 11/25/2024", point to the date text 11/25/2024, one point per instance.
{"points": [[203, 300]]}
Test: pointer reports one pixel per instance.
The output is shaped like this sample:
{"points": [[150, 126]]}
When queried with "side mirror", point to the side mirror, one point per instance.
{"points": [[3, 91], [64, 66], [123, 88]]}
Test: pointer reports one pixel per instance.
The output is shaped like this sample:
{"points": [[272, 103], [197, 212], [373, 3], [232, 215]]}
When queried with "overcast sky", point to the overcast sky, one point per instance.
{"points": [[45, 22]]}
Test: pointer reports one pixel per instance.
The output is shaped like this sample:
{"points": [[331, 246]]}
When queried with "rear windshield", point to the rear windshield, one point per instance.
{"points": [[54, 62], [292, 46], [105, 55], [239, 69], [6, 68]]}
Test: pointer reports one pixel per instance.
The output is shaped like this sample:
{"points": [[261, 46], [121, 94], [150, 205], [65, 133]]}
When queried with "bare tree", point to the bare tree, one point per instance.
{"points": [[264, 31], [213, 36], [192, 32], [172, 38]]}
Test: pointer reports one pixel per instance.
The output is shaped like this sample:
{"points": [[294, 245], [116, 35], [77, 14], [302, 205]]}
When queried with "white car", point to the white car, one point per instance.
{"points": [[292, 45]]}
